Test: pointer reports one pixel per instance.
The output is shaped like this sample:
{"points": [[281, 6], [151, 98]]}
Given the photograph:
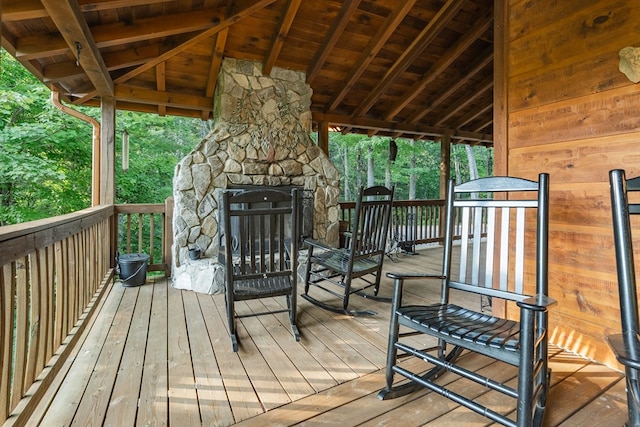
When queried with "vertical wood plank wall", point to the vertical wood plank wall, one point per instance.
{"points": [[573, 114]]}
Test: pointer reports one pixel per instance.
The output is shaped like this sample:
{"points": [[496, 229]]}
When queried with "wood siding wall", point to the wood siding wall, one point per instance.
{"points": [[573, 114]]}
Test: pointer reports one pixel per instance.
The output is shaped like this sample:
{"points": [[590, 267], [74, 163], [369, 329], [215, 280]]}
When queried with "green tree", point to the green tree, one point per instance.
{"points": [[45, 156]]}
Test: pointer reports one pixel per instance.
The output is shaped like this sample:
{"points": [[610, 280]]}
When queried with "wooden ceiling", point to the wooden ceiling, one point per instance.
{"points": [[410, 68]]}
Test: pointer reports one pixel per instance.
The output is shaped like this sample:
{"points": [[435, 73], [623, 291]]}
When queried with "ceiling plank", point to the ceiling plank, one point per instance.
{"points": [[467, 99], [486, 58], [443, 62], [475, 114], [336, 30], [370, 52], [73, 27], [427, 35], [278, 40]]}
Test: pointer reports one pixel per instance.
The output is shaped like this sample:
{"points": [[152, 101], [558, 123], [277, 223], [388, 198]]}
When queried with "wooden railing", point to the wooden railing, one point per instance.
{"points": [[146, 228], [412, 221], [52, 272]]}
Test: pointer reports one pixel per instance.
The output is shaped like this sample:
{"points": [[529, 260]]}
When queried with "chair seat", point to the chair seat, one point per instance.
{"points": [[262, 286], [338, 261], [627, 351], [464, 324]]}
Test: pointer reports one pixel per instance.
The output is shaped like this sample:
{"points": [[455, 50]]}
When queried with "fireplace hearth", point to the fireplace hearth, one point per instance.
{"points": [[260, 137]]}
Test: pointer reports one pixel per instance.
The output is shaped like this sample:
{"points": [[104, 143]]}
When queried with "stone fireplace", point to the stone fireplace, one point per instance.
{"points": [[260, 137]]}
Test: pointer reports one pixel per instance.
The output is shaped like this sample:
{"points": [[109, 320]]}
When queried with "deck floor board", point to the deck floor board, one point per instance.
{"points": [[156, 355]]}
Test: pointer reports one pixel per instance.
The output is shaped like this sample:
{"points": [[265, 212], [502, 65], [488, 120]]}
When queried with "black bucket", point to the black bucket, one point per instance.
{"points": [[132, 269]]}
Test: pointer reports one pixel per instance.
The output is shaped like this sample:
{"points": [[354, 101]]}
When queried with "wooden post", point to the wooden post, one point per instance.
{"points": [[168, 236], [445, 175], [323, 136], [500, 90], [445, 164], [107, 152], [107, 167], [500, 109]]}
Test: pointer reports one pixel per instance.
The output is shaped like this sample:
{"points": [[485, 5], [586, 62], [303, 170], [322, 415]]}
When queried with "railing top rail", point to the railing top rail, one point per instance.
{"points": [[143, 208], [20, 239], [421, 202]]}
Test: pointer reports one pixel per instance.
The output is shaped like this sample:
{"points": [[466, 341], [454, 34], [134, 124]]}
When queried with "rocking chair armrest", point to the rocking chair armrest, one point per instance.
{"points": [[406, 276], [537, 303], [317, 244]]}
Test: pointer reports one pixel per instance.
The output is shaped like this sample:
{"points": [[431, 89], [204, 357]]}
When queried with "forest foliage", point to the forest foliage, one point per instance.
{"points": [[45, 155]]}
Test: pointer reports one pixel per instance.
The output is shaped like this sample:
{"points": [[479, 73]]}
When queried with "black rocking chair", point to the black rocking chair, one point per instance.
{"points": [[493, 235], [626, 345], [334, 269], [261, 233]]}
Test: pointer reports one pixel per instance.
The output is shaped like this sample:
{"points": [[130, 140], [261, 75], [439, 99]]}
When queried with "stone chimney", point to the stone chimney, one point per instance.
{"points": [[260, 137]]}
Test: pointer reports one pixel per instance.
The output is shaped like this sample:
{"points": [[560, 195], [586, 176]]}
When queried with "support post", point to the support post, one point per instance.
{"points": [[323, 136], [445, 174], [107, 151]]}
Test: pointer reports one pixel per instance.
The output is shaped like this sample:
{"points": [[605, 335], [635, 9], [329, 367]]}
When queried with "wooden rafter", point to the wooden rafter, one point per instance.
{"points": [[427, 35], [281, 34], [474, 114], [445, 60], [467, 99], [77, 35], [214, 69], [371, 51], [336, 30]]}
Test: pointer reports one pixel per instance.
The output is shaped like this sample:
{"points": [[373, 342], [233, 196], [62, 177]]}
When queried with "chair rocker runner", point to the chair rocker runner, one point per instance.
{"points": [[503, 257], [626, 345], [334, 269], [261, 233]]}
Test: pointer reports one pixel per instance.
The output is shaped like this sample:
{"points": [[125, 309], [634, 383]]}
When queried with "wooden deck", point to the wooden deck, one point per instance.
{"points": [[154, 355]]}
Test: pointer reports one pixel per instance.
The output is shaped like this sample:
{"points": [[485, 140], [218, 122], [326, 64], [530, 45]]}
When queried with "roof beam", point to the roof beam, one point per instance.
{"points": [[17, 10], [443, 62], [405, 128], [336, 30], [67, 16], [167, 99], [426, 36], [371, 51], [40, 45], [278, 40], [216, 63]]}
